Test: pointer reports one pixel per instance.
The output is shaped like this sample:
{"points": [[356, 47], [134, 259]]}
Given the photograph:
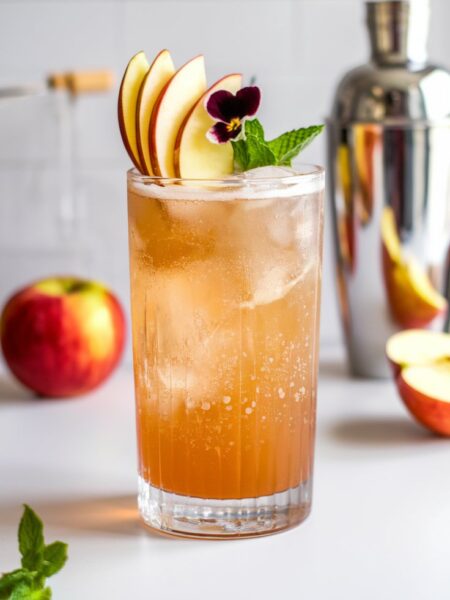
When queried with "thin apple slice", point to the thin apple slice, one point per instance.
{"points": [[425, 390], [195, 156], [174, 102], [159, 73], [413, 301], [128, 94], [418, 347], [389, 235]]}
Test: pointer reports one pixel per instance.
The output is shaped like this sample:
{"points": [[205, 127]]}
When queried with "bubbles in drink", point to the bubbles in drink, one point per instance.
{"points": [[224, 303]]}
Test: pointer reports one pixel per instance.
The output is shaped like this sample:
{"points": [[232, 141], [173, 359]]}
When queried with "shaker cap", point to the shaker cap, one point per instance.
{"points": [[398, 85]]}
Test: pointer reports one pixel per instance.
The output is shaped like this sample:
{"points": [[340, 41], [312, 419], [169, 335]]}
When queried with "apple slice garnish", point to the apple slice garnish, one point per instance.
{"points": [[421, 362], [195, 156], [159, 73], [413, 301], [173, 104], [128, 94]]}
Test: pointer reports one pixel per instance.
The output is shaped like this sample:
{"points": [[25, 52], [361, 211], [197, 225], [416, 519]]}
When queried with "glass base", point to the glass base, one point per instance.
{"points": [[221, 519]]}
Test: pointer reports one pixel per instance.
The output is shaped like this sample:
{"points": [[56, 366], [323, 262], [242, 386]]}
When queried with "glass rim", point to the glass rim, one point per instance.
{"points": [[312, 173]]}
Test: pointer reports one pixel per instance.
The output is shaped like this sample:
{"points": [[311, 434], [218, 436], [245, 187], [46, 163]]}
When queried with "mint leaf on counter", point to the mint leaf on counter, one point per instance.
{"points": [[44, 594], [31, 539], [11, 579], [39, 561], [21, 592], [55, 557], [14, 579], [254, 151]]}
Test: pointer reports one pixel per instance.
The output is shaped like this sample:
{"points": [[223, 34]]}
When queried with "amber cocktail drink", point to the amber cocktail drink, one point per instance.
{"points": [[225, 282]]}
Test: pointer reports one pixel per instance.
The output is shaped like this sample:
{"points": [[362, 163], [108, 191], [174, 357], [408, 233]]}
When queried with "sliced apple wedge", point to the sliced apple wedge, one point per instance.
{"points": [[417, 347], [421, 362], [128, 94], [413, 301], [173, 104], [159, 73], [425, 390], [195, 155]]}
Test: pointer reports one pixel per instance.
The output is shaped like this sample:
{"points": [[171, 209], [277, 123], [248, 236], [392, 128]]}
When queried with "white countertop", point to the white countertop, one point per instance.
{"points": [[380, 526]]}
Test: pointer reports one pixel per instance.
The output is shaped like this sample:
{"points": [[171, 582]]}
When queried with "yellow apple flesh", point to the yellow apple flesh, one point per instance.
{"points": [[128, 95], [173, 104], [196, 157], [413, 301], [421, 364], [159, 73], [417, 347]]}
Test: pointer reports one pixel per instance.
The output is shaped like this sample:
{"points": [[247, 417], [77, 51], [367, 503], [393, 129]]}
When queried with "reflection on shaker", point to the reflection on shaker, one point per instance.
{"points": [[389, 171], [412, 299]]}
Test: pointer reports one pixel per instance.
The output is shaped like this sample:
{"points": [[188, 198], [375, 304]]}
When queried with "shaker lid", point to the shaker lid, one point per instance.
{"points": [[398, 85]]}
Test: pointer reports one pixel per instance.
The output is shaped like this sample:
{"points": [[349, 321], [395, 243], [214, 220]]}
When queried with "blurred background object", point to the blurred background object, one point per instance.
{"points": [[296, 49], [389, 173]]}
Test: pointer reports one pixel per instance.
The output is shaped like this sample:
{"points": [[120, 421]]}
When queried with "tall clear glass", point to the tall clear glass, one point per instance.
{"points": [[225, 294]]}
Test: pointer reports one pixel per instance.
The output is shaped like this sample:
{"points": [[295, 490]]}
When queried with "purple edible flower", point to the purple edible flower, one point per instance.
{"points": [[230, 110]]}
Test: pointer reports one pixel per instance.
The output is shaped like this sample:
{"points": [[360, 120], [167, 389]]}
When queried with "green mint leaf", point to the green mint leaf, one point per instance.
{"points": [[31, 535], [286, 146], [259, 153], [44, 594], [55, 557], [250, 150], [254, 151], [38, 562], [21, 592], [13, 578], [39, 581], [254, 127], [32, 561], [240, 155]]}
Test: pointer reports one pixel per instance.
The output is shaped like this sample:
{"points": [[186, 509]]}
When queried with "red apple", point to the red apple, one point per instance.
{"points": [[62, 336], [421, 364]]}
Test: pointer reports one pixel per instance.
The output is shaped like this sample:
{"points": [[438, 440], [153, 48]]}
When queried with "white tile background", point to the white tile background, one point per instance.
{"points": [[297, 49]]}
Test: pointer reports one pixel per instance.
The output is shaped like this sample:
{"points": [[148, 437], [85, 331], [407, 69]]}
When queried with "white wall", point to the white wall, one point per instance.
{"points": [[297, 50]]}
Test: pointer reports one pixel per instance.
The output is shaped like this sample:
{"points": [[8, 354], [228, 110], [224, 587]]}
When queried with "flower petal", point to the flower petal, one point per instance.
{"points": [[219, 133], [222, 105], [248, 101]]}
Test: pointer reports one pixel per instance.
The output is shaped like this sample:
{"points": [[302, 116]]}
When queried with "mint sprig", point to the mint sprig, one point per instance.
{"points": [[254, 151], [39, 561]]}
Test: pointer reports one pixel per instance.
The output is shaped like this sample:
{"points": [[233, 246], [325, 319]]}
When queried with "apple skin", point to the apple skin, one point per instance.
{"points": [[62, 337], [433, 414], [396, 368]]}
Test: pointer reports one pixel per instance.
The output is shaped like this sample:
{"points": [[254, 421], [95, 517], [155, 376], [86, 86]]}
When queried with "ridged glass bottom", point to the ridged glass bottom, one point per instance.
{"points": [[221, 519]]}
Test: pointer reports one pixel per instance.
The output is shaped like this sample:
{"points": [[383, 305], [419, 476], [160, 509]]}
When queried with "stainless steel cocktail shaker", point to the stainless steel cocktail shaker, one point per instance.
{"points": [[389, 169]]}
